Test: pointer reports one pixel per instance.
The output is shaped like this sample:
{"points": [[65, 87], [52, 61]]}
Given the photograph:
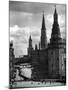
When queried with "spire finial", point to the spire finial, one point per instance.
{"points": [[30, 33], [43, 11], [55, 9], [30, 37], [43, 21], [55, 6], [35, 46]]}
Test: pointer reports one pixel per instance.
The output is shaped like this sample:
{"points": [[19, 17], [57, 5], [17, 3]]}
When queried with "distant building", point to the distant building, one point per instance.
{"points": [[11, 65]]}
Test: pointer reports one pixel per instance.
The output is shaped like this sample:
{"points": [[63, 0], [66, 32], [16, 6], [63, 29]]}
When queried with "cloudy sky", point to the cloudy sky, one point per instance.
{"points": [[26, 18]]}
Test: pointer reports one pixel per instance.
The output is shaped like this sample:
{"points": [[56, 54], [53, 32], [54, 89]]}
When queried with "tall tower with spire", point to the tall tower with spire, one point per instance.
{"points": [[30, 48], [56, 50], [43, 34], [55, 35]]}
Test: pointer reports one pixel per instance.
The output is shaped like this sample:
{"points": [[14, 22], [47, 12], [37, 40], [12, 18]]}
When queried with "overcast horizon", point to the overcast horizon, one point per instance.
{"points": [[26, 18]]}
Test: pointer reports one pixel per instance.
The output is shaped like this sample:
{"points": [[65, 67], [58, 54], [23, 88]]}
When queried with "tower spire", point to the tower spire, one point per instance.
{"points": [[55, 36], [43, 34], [43, 22], [30, 41], [55, 6], [55, 15], [36, 47], [30, 48]]}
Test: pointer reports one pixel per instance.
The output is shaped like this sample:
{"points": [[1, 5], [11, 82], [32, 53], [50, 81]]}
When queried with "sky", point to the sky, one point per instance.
{"points": [[25, 19]]}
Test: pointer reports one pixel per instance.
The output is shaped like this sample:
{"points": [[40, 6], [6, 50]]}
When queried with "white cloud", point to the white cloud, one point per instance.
{"points": [[49, 17], [61, 20], [20, 36]]}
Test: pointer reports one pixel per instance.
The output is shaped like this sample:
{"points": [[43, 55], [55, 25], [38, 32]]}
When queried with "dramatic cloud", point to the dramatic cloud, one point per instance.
{"points": [[26, 20], [34, 7]]}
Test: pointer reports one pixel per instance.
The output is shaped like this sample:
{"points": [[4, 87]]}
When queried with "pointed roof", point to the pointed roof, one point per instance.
{"points": [[55, 35], [11, 44], [30, 38], [56, 29], [35, 46], [30, 42], [55, 14], [55, 9], [43, 43], [43, 22]]}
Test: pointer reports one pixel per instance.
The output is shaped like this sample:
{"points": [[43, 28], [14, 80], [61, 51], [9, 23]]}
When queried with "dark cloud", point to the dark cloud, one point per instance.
{"points": [[24, 13], [35, 7]]}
